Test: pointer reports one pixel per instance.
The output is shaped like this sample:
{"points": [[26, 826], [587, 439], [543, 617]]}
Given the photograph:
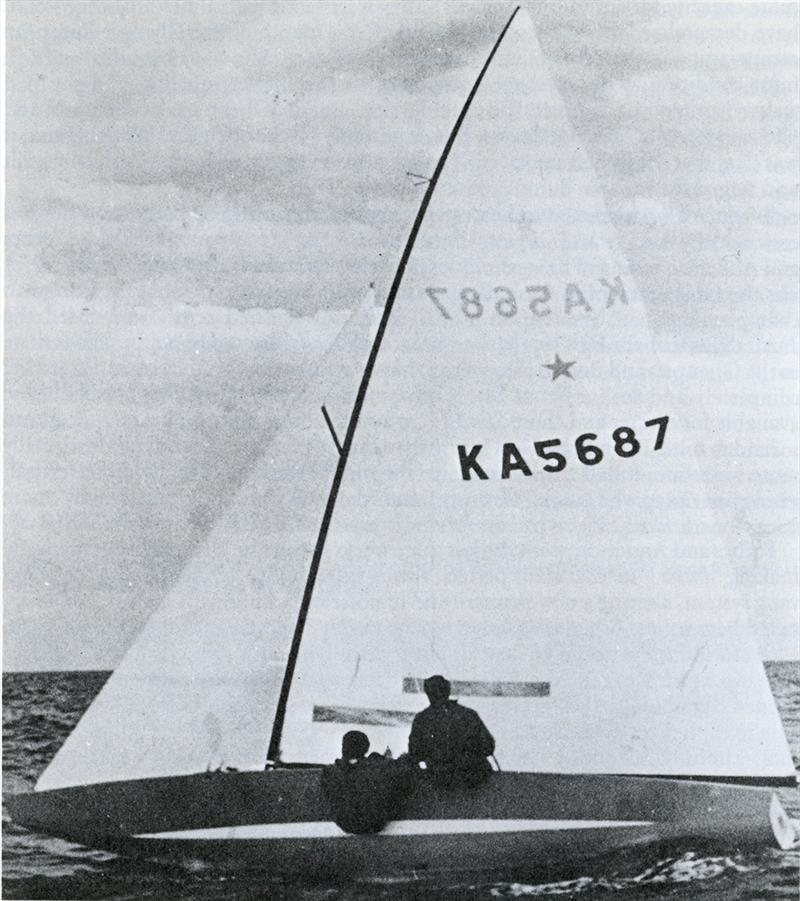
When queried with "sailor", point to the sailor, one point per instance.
{"points": [[364, 792], [452, 740]]}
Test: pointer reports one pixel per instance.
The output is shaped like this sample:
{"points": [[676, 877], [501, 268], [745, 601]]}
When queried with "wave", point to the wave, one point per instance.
{"points": [[687, 868]]}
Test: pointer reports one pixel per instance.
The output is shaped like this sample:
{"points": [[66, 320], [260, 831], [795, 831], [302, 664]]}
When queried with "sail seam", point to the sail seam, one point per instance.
{"points": [[273, 752]]}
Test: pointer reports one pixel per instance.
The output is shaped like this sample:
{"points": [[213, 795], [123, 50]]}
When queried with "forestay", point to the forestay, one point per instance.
{"points": [[198, 688], [479, 533]]}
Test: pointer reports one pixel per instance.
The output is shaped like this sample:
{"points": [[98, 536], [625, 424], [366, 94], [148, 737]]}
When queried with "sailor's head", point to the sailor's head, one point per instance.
{"points": [[437, 688], [354, 745]]}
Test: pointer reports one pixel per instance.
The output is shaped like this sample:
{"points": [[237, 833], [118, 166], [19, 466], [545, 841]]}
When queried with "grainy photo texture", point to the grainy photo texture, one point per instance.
{"points": [[401, 486]]}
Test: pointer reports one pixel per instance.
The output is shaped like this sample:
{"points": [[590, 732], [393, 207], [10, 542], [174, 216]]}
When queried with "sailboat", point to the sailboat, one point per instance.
{"points": [[514, 503]]}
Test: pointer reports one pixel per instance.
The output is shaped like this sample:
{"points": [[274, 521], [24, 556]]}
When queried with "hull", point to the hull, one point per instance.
{"points": [[278, 821]]}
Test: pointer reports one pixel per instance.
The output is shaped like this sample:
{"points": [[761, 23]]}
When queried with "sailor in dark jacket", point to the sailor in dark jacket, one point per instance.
{"points": [[451, 739], [364, 792]]}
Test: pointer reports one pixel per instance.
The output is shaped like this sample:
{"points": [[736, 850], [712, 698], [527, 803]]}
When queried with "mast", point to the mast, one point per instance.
{"points": [[273, 752]]}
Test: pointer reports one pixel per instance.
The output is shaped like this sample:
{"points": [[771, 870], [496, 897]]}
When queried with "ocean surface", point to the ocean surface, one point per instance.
{"points": [[40, 709]]}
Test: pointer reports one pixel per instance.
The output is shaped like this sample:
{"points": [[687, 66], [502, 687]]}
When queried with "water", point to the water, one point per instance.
{"points": [[40, 709]]}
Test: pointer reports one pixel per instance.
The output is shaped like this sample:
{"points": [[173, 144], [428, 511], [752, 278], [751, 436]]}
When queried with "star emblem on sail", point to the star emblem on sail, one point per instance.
{"points": [[559, 367]]}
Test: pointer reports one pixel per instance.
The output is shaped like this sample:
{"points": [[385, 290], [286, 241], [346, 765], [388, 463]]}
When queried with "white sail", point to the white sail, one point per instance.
{"points": [[588, 612], [198, 688]]}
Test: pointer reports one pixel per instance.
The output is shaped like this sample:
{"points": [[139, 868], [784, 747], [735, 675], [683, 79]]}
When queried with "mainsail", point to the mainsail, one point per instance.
{"points": [[521, 509], [198, 688]]}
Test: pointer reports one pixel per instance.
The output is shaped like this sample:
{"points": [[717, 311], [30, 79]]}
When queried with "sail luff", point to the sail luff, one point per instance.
{"points": [[273, 753]]}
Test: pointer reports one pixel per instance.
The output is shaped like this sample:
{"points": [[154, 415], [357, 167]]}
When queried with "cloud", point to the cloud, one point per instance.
{"points": [[437, 44], [191, 155]]}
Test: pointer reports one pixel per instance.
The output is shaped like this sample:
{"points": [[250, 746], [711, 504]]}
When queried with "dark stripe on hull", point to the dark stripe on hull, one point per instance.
{"points": [[477, 689], [110, 815]]}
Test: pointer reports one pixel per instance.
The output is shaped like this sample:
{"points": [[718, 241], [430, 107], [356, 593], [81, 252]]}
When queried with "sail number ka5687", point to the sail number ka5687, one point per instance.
{"points": [[541, 300], [624, 443]]}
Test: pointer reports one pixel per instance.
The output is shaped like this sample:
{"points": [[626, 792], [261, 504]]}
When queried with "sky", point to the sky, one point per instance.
{"points": [[198, 192]]}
